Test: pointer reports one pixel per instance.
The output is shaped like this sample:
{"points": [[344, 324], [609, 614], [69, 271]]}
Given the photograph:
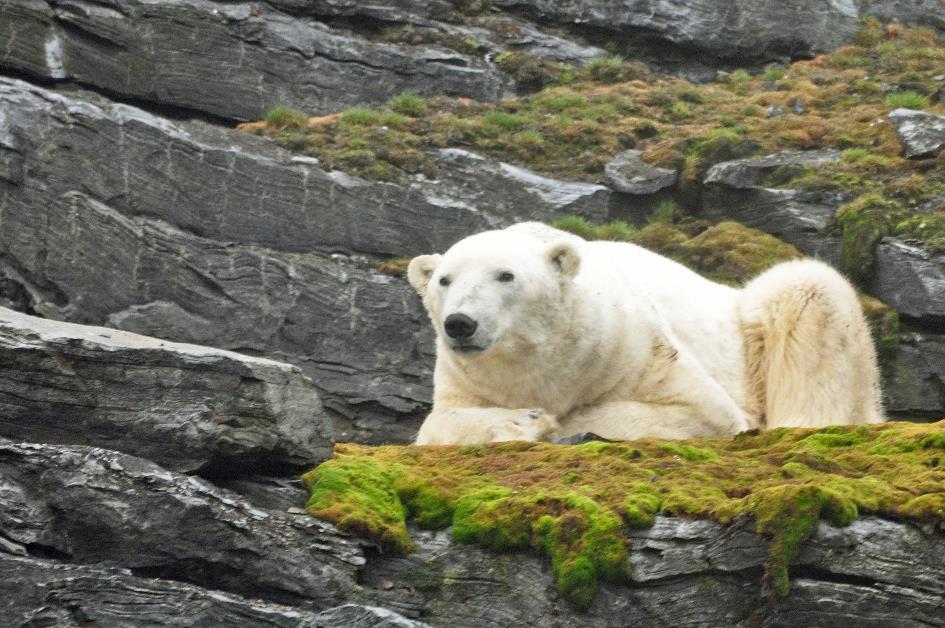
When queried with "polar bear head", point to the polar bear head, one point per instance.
{"points": [[495, 291]]}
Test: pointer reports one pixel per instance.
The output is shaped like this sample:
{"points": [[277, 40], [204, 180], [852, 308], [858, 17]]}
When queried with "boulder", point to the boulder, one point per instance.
{"points": [[921, 134], [187, 407], [86, 505], [628, 173], [248, 58], [748, 173], [911, 280]]}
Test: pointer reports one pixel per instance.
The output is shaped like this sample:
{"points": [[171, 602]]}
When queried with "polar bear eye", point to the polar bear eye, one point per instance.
{"points": [[444, 281], [506, 276]]}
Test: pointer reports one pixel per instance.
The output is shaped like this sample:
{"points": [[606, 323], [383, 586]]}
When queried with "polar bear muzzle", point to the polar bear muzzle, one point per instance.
{"points": [[459, 326]]}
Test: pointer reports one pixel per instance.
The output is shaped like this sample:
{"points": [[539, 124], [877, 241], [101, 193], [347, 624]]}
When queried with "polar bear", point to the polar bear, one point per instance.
{"points": [[542, 334]]}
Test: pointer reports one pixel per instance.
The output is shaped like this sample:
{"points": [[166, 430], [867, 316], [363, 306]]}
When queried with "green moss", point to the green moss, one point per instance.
{"points": [[359, 496], [862, 223], [572, 503], [688, 452]]}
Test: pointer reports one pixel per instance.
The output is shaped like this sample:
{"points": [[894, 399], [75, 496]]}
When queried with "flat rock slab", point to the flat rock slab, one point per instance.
{"points": [[45, 592], [187, 407], [231, 186], [628, 173], [89, 505], [921, 134], [724, 28], [248, 58]]}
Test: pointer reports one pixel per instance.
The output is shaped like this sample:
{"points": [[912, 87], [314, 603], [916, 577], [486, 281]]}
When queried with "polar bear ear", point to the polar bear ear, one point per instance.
{"points": [[420, 270], [564, 257]]}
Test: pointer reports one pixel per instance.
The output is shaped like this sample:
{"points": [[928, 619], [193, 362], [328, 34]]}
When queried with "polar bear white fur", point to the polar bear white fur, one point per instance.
{"points": [[542, 334]]}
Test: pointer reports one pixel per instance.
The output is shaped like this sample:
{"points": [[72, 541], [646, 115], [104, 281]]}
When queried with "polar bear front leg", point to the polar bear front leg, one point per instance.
{"points": [[675, 398], [472, 426]]}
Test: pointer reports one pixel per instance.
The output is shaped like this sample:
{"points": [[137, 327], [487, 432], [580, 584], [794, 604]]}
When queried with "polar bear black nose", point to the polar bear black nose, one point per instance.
{"points": [[460, 326]]}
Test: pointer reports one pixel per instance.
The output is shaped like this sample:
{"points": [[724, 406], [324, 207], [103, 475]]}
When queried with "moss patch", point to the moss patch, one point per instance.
{"points": [[575, 503]]}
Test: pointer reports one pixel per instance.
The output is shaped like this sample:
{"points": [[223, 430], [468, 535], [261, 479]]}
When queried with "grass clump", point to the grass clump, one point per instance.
{"points": [[408, 104], [574, 503], [284, 117], [909, 100]]}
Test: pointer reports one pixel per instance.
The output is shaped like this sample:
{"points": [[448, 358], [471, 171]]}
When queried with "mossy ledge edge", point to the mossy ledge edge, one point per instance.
{"points": [[574, 503]]}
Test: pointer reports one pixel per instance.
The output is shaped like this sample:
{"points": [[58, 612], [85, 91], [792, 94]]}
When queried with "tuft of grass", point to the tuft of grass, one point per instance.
{"points": [[574, 503], [909, 100], [286, 118], [360, 116], [408, 104], [503, 120]]}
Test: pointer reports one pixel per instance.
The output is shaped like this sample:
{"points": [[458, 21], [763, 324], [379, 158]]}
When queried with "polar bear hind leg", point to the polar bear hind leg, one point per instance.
{"points": [[810, 355]]}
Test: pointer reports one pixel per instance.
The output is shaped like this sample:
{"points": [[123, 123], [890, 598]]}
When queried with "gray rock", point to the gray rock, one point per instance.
{"points": [[44, 592], [916, 12], [493, 32], [794, 216], [510, 193], [247, 59], [287, 494], [734, 191], [748, 173], [914, 382], [358, 616], [89, 505], [921, 134], [685, 573], [231, 186], [362, 337], [184, 406], [627, 172], [726, 29], [910, 279], [774, 111]]}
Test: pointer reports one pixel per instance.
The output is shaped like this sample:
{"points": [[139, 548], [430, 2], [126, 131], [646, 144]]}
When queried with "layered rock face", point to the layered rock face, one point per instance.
{"points": [[148, 481]]}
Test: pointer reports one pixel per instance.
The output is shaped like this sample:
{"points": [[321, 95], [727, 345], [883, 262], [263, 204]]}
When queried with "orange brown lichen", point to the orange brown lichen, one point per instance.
{"points": [[575, 503]]}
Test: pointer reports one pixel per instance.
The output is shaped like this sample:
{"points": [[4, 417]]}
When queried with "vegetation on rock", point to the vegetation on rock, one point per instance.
{"points": [[578, 122], [574, 503]]}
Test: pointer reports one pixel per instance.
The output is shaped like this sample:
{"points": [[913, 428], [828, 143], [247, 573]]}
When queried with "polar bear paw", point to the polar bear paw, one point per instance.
{"points": [[531, 425]]}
